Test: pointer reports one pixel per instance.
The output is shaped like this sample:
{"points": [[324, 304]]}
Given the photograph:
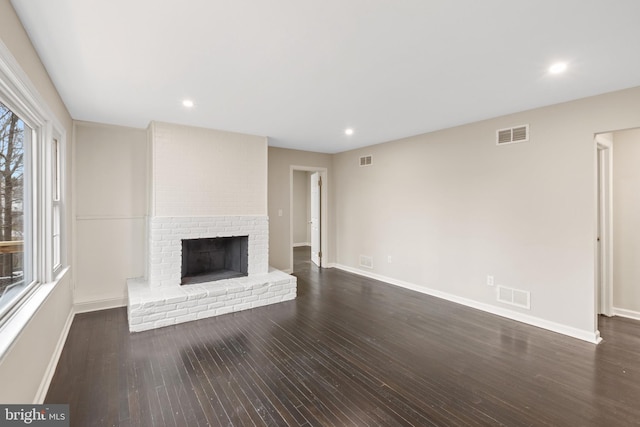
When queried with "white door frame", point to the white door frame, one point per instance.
{"points": [[604, 229], [324, 210], [314, 181]]}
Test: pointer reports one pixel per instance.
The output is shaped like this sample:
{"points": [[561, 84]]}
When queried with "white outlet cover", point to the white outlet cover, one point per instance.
{"points": [[489, 280]]}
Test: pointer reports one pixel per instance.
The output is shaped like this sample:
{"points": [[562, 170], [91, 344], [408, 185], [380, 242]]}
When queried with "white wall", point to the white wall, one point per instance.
{"points": [[451, 207], [111, 207], [626, 217], [301, 211], [205, 172], [25, 367]]}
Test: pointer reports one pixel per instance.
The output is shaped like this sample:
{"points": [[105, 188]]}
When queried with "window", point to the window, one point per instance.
{"points": [[15, 226], [31, 194]]}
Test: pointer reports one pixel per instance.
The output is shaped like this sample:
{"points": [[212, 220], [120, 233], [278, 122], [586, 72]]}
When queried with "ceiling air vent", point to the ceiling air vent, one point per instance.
{"points": [[512, 135], [365, 161]]}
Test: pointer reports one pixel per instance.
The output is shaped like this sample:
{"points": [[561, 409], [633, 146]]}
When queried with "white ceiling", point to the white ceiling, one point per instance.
{"points": [[301, 71]]}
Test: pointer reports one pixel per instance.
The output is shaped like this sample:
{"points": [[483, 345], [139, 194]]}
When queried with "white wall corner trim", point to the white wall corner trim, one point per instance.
{"points": [[630, 314], [97, 305], [53, 363], [592, 337]]}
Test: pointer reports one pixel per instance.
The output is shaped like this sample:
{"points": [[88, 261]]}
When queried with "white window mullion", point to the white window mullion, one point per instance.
{"points": [[30, 236], [45, 190], [39, 211]]}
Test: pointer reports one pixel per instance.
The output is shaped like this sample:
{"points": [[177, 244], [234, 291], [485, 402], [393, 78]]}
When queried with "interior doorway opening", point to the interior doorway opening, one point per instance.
{"points": [[308, 209], [617, 237], [604, 225]]}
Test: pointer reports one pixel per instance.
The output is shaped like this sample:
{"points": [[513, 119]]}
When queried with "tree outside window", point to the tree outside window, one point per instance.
{"points": [[12, 138]]}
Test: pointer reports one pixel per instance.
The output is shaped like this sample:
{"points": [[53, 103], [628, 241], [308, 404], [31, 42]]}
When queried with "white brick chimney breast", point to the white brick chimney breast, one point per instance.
{"points": [[203, 184]]}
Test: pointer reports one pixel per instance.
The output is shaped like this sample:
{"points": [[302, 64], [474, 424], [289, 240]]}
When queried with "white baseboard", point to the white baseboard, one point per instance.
{"points": [[592, 337], [623, 312], [53, 362], [104, 304], [299, 245]]}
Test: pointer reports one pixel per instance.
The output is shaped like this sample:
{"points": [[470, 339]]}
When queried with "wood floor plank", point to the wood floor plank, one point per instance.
{"points": [[348, 351], [265, 401], [208, 398], [327, 367], [231, 355], [304, 366]]}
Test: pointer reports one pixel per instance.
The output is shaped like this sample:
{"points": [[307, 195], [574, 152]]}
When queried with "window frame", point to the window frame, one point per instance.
{"points": [[18, 94], [57, 203]]}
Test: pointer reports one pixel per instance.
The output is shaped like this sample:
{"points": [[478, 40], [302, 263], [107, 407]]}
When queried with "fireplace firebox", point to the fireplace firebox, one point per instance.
{"points": [[211, 259]]}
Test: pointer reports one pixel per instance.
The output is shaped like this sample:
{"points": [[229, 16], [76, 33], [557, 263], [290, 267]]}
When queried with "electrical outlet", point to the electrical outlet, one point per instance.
{"points": [[389, 259], [489, 280], [279, 212]]}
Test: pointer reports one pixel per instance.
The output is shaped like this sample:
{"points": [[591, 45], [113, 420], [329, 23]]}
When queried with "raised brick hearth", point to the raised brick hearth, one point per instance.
{"points": [[154, 308]]}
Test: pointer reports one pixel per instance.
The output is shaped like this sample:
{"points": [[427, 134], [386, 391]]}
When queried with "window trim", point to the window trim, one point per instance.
{"points": [[57, 202], [18, 94]]}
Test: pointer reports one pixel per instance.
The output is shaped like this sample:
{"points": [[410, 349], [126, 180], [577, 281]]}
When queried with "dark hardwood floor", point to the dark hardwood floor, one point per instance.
{"points": [[349, 351]]}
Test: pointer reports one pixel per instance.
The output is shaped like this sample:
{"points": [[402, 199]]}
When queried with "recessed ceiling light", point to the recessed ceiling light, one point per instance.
{"points": [[558, 68], [348, 131], [187, 103]]}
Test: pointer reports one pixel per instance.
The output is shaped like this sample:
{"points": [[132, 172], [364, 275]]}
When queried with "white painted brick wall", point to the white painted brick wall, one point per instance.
{"points": [[204, 172], [166, 235]]}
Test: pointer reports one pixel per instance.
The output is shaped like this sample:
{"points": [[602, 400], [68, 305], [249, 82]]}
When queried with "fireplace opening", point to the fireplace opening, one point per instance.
{"points": [[208, 260]]}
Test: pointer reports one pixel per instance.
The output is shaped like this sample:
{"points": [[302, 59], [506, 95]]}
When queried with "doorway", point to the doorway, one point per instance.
{"points": [[617, 287], [308, 209], [315, 203], [604, 225], [617, 272]]}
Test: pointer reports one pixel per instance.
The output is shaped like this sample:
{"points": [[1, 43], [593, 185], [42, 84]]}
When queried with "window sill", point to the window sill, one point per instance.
{"points": [[14, 326]]}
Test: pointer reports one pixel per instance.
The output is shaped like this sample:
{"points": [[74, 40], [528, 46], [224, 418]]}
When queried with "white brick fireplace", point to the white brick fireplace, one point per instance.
{"points": [[166, 235], [204, 184]]}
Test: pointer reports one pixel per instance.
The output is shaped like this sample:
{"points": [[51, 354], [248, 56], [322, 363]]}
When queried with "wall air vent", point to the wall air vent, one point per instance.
{"points": [[366, 261], [365, 161], [512, 135], [515, 297]]}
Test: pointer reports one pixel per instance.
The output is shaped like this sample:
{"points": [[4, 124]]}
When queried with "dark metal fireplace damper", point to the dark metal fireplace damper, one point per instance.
{"points": [[208, 260]]}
